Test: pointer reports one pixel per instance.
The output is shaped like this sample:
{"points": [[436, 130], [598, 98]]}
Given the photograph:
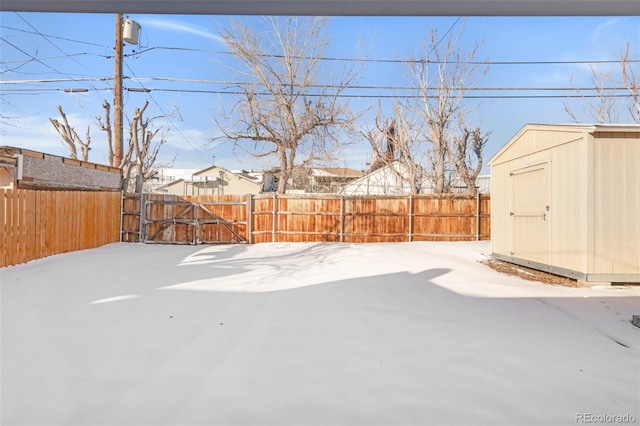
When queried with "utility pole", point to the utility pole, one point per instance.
{"points": [[117, 96]]}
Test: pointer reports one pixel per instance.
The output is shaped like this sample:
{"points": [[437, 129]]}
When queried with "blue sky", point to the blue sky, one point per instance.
{"points": [[41, 46]]}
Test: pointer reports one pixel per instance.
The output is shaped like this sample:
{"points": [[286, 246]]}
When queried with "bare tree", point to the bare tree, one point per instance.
{"points": [[392, 143], [142, 144], [106, 127], [600, 108], [285, 112], [138, 162], [632, 83], [466, 156], [442, 84], [70, 137], [604, 106]]}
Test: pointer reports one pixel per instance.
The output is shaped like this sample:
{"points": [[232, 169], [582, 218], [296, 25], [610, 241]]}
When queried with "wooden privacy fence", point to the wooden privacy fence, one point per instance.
{"points": [[37, 223], [304, 218]]}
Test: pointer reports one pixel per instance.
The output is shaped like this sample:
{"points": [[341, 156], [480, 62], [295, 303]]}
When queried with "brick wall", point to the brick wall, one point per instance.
{"points": [[52, 171]]}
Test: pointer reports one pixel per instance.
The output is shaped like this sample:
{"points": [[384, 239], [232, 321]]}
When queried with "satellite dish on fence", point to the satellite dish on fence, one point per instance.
{"points": [[130, 31]]}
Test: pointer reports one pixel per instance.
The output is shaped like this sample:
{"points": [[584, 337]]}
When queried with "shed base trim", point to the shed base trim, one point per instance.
{"points": [[580, 276]]}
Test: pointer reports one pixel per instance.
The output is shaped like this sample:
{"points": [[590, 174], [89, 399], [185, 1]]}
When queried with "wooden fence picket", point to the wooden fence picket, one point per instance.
{"points": [[40, 223], [316, 218]]}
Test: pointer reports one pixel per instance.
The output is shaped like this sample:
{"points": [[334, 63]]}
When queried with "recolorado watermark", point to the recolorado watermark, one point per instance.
{"points": [[605, 418]]}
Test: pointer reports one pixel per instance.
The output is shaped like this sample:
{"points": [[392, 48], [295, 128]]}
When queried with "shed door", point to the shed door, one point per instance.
{"points": [[530, 214]]}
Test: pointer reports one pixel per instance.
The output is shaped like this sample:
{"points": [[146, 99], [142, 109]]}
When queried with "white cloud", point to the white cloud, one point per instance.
{"points": [[37, 134], [603, 31], [34, 133], [182, 27]]}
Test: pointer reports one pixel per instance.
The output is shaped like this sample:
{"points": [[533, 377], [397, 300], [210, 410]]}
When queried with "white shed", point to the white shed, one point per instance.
{"points": [[566, 199]]}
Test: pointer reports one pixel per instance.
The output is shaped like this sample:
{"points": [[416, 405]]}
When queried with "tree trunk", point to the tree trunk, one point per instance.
{"points": [[440, 171]]}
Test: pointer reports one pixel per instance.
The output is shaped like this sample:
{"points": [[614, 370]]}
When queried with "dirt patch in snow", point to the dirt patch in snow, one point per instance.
{"points": [[528, 273]]}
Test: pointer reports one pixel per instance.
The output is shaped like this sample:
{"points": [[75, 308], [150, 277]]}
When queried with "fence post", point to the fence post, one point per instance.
{"points": [[478, 216], [143, 218], [121, 212], [410, 217], [341, 218], [196, 226], [274, 217], [249, 227]]}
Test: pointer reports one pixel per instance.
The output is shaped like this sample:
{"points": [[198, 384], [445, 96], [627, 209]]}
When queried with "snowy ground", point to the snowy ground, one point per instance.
{"points": [[302, 334]]}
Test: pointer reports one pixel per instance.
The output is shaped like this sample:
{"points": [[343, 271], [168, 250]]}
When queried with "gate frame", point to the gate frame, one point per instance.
{"points": [[194, 223]]}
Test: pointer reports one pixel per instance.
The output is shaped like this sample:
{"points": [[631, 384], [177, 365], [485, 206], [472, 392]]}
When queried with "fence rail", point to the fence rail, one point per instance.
{"points": [[37, 223], [312, 218]]}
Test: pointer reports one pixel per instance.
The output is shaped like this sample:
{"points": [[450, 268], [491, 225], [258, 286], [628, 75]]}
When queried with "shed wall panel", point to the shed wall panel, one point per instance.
{"points": [[565, 154], [569, 208], [500, 209], [616, 204]]}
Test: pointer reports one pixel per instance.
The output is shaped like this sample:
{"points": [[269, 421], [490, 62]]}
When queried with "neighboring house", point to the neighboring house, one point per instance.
{"points": [[25, 169], [313, 179], [385, 180], [391, 179], [483, 185], [213, 180], [166, 175], [331, 179], [565, 199]]}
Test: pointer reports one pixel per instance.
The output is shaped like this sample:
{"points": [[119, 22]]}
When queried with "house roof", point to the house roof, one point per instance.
{"points": [[374, 178], [208, 169], [336, 172], [238, 175], [170, 184], [197, 176]]}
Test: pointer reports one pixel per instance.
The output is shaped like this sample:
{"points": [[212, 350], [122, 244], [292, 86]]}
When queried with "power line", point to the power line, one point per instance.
{"points": [[56, 89], [342, 95], [326, 58], [50, 36], [365, 96], [52, 43], [51, 57], [398, 61], [185, 49], [56, 80], [49, 40], [30, 56], [353, 87], [199, 151]]}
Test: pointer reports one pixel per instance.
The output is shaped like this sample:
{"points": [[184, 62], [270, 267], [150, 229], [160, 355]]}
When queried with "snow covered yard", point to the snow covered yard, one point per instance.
{"points": [[302, 334]]}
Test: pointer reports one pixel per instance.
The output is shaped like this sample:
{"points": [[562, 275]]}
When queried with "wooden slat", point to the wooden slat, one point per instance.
{"points": [[3, 229], [15, 228], [39, 223]]}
